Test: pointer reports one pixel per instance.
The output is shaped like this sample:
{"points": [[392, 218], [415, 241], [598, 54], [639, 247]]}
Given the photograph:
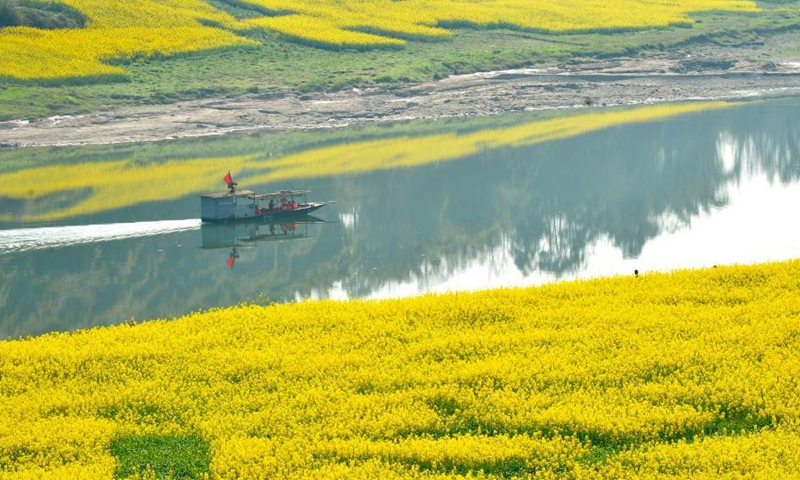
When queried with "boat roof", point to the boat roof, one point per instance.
{"points": [[240, 193], [257, 196], [281, 193]]}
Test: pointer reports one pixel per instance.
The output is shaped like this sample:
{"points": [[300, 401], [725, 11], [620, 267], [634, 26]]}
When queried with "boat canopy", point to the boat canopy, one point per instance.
{"points": [[258, 196], [281, 194]]}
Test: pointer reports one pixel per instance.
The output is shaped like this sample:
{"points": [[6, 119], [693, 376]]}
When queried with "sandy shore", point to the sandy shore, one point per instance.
{"points": [[624, 82]]}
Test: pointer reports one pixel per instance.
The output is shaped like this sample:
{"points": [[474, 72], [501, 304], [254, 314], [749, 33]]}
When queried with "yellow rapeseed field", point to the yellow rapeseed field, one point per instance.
{"points": [[123, 183], [144, 28], [28, 53], [693, 374], [424, 19], [115, 30]]}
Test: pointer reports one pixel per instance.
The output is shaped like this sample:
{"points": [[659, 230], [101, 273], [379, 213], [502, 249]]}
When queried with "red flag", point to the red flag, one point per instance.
{"points": [[228, 179]]}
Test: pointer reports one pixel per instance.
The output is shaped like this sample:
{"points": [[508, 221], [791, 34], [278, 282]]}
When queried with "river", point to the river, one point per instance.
{"points": [[105, 234]]}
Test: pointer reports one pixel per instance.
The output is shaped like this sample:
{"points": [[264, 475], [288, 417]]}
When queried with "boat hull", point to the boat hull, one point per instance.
{"points": [[270, 215]]}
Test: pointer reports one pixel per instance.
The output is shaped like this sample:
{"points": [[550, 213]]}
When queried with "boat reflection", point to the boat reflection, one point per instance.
{"points": [[238, 235]]}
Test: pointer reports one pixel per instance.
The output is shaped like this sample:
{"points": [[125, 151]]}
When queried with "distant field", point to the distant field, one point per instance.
{"points": [[333, 22], [155, 52], [685, 375], [117, 30]]}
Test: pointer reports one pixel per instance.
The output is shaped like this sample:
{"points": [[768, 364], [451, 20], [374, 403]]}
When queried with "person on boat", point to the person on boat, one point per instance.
{"points": [[229, 181], [284, 203], [271, 204], [294, 205]]}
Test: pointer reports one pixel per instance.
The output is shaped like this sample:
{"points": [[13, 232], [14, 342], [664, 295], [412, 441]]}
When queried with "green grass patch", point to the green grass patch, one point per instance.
{"points": [[237, 9], [167, 456]]}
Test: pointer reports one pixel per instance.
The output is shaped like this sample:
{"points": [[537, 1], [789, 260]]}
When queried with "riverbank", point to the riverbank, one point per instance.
{"points": [[483, 94], [587, 86], [689, 373]]}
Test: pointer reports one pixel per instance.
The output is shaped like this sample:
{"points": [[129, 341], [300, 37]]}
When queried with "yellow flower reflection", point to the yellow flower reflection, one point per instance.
{"points": [[124, 183]]}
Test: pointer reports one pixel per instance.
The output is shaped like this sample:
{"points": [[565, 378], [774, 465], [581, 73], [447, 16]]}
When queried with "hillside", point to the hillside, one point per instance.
{"points": [[96, 55], [684, 375]]}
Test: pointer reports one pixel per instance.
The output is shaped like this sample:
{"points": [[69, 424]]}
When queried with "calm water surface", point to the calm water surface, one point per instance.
{"points": [[696, 189]]}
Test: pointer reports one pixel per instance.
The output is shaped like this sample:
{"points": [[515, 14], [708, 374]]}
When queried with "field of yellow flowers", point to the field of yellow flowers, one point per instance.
{"points": [[118, 31], [115, 31], [428, 19], [122, 183], [693, 374]]}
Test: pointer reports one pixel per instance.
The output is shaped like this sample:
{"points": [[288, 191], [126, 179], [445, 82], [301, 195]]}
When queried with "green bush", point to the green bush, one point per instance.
{"points": [[9, 14], [42, 15]]}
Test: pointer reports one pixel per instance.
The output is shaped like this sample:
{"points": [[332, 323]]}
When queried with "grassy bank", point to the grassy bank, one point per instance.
{"points": [[690, 374], [278, 65]]}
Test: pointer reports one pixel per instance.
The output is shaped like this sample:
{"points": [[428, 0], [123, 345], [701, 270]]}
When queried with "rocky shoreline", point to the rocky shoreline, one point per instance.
{"points": [[612, 83]]}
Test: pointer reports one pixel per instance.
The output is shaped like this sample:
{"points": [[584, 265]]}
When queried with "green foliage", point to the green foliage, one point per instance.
{"points": [[166, 456], [240, 9], [9, 14], [44, 15]]}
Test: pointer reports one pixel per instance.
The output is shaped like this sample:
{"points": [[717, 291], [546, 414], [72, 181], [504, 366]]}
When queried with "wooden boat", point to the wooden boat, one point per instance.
{"points": [[232, 206]]}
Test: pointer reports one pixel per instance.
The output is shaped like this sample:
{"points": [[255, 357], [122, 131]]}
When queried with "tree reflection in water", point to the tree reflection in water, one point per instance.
{"points": [[552, 201]]}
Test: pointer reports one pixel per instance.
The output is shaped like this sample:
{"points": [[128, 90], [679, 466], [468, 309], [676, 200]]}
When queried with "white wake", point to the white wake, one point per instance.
{"points": [[26, 239]]}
